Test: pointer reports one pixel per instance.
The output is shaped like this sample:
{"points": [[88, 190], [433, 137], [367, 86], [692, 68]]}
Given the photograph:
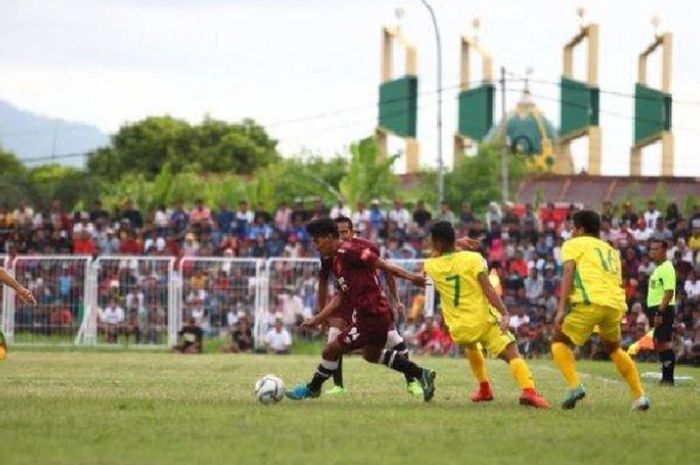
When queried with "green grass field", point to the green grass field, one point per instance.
{"points": [[158, 408]]}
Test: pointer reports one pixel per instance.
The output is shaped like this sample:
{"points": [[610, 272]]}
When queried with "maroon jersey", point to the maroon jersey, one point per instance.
{"points": [[354, 268]]}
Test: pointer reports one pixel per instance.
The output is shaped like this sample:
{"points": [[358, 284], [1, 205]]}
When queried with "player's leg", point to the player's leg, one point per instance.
{"points": [[324, 371], [663, 336], [336, 326], [505, 346], [611, 336], [395, 342], [576, 329], [374, 353], [475, 355]]}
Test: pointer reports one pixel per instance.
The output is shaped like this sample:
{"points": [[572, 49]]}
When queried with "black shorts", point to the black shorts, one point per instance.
{"points": [[663, 333]]}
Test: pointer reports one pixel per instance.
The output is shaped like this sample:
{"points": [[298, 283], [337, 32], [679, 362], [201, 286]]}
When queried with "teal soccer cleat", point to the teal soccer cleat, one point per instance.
{"points": [[427, 382], [573, 396], [302, 392]]}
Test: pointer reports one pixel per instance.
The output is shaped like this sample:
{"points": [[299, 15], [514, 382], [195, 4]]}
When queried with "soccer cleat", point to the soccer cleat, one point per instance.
{"points": [[642, 404], [414, 388], [483, 393], [335, 390], [573, 396], [531, 398], [427, 381], [302, 392]]}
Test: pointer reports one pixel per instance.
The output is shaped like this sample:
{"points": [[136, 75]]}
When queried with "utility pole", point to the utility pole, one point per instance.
{"points": [[440, 164], [504, 139]]}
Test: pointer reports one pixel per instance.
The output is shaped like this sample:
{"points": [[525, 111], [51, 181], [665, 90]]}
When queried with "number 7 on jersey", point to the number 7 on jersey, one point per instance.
{"points": [[455, 278]]}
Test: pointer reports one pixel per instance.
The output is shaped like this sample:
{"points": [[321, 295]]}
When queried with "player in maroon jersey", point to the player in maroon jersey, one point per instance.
{"points": [[355, 267], [342, 318]]}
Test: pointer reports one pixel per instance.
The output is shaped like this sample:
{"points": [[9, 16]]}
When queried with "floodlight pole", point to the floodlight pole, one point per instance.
{"points": [[440, 165], [504, 142]]}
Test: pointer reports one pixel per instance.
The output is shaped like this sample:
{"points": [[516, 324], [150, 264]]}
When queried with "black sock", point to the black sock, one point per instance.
{"points": [[403, 350], [338, 373], [398, 362], [323, 372], [668, 365]]}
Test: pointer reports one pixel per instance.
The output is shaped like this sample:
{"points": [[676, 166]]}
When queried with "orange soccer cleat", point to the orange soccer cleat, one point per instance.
{"points": [[483, 393], [531, 398]]}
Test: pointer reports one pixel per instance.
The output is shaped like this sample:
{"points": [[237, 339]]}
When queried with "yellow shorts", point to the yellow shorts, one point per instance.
{"points": [[490, 336], [582, 319]]}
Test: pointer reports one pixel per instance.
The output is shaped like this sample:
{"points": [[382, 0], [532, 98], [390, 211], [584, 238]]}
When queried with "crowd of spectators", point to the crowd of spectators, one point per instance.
{"points": [[522, 245]]}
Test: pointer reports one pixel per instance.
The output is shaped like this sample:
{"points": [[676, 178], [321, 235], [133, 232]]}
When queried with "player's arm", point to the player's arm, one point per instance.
{"points": [[324, 314], [23, 293], [394, 291], [390, 268], [322, 289], [567, 286], [493, 299], [467, 243]]}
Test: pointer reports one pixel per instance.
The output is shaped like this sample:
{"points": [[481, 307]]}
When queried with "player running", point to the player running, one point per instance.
{"points": [[355, 268], [23, 293], [341, 319], [475, 314], [592, 288]]}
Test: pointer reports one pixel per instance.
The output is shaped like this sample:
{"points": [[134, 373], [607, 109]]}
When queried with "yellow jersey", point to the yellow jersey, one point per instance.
{"points": [[598, 276], [464, 305]]}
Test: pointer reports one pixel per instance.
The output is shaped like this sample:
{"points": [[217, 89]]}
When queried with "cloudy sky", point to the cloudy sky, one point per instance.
{"points": [[309, 69]]}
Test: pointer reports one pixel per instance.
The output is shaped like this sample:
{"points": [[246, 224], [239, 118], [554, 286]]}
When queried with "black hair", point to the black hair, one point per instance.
{"points": [[589, 221], [663, 243], [444, 232], [344, 219], [322, 227]]}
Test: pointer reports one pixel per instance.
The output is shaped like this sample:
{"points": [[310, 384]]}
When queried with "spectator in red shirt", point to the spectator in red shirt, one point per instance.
{"points": [[518, 265], [430, 338], [129, 245], [83, 244]]}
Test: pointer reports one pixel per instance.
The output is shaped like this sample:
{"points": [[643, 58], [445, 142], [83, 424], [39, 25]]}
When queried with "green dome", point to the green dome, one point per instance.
{"points": [[529, 132]]}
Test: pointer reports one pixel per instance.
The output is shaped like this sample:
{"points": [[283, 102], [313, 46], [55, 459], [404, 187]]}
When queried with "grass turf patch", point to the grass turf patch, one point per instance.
{"points": [[159, 408]]}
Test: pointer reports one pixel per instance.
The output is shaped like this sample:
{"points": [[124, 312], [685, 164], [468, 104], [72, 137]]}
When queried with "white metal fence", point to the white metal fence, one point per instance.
{"points": [[144, 301]]}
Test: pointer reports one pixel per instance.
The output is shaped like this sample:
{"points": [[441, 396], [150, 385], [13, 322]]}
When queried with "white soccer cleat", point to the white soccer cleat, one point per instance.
{"points": [[642, 404]]}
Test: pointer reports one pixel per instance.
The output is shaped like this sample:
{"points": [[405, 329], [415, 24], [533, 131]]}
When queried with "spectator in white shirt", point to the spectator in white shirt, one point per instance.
{"points": [[283, 216], [340, 210], [111, 320], [518, 319], [400, 215], [651, 215], [161, 219], [360, 219], [692, 288], [278, 339]]}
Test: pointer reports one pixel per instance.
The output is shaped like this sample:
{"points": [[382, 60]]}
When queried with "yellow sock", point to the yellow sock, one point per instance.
{"points": [[478, 364], [564, 359], [628, 370], [521, 373]]}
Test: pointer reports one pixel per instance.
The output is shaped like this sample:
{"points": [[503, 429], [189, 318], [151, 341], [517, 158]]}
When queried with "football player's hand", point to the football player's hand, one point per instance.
{"points": [[467, 243], [26, 296], [505, 323], [309, 323], [400, 308], [418, 279]]}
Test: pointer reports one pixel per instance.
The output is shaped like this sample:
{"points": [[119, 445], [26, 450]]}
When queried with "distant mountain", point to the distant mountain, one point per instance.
{"points": [[31, 136]]}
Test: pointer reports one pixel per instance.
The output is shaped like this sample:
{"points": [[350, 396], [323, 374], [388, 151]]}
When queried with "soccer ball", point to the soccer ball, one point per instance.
{"points": [[269, 389]]}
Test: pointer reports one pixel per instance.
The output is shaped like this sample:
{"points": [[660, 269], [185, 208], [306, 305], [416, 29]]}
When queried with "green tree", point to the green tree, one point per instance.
{"points": [[14, 184], [68, 184], [477, 179], [214, 146], [368, 176]]}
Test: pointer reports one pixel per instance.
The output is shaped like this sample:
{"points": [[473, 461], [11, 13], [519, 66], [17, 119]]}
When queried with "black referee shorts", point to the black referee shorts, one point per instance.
{"points": [[663, 333]]}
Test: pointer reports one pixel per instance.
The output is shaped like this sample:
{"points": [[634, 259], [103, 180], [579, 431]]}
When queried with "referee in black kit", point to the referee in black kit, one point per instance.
{"points": [[661, 301]]}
